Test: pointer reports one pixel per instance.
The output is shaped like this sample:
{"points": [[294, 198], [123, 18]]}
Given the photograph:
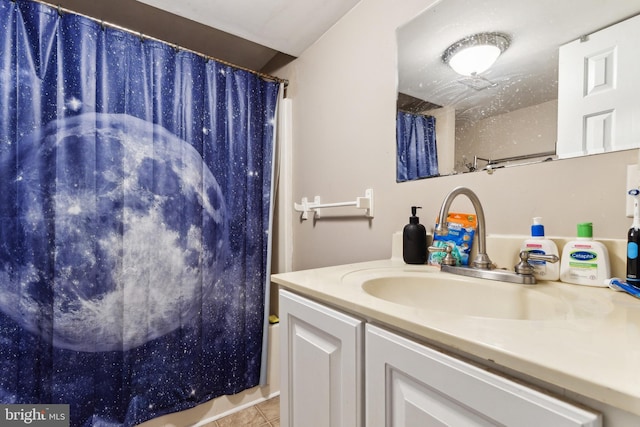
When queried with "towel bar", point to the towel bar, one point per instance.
{"points": [[306, 206]]}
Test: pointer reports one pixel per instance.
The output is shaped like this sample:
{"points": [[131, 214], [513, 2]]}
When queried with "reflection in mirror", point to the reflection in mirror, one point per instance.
{"points": [[416, 141], [507, 114]]}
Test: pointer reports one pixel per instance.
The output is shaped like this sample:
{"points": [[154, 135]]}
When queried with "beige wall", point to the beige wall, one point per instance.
{"points": [[344, 92], [530, 130], [445, 138]]}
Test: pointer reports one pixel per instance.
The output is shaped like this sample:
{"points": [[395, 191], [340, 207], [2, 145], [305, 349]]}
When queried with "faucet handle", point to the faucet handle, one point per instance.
{"points": [[524, 267], [448, 258]]}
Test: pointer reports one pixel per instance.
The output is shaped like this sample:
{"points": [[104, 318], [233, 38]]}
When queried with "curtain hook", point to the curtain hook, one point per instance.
{"points": [[60, 13]]}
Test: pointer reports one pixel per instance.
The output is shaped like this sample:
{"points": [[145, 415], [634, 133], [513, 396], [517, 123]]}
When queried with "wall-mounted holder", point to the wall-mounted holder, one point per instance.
{"points": [[314, 207]]}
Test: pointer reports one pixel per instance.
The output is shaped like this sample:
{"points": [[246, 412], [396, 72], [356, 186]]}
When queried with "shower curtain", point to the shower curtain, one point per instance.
{"points": [[417, 155], [135, 217]]}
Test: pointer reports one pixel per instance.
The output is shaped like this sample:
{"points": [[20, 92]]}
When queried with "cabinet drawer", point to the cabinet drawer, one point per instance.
{"points": [[409, 384]]}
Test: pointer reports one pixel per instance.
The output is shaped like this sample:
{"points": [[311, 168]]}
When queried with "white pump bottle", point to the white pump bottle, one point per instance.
{"points": [[537, 244]]}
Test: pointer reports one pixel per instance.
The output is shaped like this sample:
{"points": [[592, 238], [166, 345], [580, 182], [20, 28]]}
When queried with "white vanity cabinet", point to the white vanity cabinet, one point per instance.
{"points": [[409, 384], [321, 365], [327, 359]]}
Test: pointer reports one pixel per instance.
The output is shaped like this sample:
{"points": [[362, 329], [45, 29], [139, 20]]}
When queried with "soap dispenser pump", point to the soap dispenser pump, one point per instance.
{"points": [[414, 240]]}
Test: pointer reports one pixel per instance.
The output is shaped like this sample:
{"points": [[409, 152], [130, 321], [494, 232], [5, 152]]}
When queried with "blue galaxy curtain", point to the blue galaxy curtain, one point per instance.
{"points": [[134, 219], [417, 156]]}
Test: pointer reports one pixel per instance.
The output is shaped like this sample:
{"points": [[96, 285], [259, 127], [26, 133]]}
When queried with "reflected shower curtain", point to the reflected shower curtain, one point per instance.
{"points": [[417, 156], [134, 220]]}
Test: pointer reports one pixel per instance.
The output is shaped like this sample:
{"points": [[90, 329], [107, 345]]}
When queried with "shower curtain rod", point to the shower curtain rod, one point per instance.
{"points": [[510, 159], [143, 37]]}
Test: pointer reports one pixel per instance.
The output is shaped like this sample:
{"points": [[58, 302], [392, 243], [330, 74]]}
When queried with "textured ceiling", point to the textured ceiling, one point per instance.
{"points": [[288, 26]]}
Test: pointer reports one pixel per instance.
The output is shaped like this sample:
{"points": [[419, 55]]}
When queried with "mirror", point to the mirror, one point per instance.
{"points": [[506, 115]]}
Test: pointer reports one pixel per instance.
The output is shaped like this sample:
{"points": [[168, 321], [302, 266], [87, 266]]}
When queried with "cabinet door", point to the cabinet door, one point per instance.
{"points": [[598, 88], [321, 362], [410, 385]]}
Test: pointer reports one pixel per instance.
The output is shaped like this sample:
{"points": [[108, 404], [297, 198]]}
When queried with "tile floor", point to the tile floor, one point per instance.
{"points": [[264, 414]]}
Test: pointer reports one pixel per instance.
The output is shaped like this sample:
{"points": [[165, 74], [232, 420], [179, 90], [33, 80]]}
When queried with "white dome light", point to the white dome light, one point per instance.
{"points": [[475, 54]]}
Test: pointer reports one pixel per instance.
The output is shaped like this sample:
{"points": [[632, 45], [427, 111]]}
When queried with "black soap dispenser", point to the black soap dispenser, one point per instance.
{"points": [[414, 240]]}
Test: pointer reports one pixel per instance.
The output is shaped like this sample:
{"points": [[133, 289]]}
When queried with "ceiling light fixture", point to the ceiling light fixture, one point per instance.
{"points": [[476, 53]]}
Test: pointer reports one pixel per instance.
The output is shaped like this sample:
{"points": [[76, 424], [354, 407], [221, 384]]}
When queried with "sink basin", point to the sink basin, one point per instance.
{"points": [[469, 297]]}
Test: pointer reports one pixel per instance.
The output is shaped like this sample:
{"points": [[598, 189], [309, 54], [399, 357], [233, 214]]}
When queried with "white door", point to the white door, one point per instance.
{"points": [[598, 91], [411, 385], [321, 363]]}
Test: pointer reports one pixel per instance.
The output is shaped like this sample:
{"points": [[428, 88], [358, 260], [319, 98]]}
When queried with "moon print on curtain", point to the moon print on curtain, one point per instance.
{"points": [[134, 220], [417, 155]]}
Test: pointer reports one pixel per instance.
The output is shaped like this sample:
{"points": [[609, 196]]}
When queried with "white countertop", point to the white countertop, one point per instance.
{"points": [[593, 349]]}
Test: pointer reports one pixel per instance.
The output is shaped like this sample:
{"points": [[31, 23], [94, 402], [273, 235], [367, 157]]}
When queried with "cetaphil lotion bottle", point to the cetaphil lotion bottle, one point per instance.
{"points": [[537, 244], [585, 261]]}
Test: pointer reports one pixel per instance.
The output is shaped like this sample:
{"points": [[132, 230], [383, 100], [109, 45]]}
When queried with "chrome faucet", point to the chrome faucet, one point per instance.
{"points": [[482, 266]]}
